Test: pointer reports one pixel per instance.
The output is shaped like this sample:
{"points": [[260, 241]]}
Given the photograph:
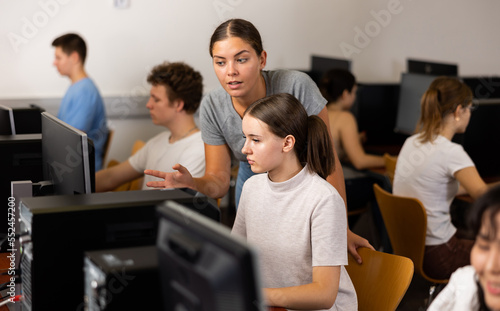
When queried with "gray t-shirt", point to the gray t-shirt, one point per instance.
{"points": [[220, 123], [296, 225]]}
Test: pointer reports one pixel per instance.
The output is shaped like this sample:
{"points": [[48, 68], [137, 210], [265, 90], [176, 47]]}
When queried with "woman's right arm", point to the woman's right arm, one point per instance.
{"points": [[215, 182], [472, 182], [350, 140]]}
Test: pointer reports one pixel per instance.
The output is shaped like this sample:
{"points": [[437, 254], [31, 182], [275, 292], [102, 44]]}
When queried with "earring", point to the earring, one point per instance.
{"points": [[457, 119]]}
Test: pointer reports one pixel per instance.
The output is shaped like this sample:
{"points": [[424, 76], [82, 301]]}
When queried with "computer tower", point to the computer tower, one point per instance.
{"points": [[21, 159], [122, 279], [59, 229]]}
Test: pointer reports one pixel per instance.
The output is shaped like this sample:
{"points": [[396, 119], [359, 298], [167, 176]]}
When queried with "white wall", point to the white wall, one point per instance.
{"points": [[124, 44]]}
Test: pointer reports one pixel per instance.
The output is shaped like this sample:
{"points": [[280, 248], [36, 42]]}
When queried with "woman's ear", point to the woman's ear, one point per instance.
{"points": [[263, 59], [288, 143]]}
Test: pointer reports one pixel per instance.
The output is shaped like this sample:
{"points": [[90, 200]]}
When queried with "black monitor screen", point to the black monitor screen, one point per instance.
{"points": [[484, 87], [28, 120], [481, 138], [68, 157], [320, 65], [412, 87], [431, 68], [6, 121], [375, 109], [202, 266]]}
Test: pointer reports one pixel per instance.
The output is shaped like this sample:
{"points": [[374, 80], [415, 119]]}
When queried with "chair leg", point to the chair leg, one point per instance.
{"points": [[434, 290]]}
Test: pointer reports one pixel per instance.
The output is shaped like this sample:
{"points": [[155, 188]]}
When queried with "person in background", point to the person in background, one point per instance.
{"points": [[477, 287], [176, 91], [339, 88], [82, 106], [433, 169], [294, 217], [239, 60]]}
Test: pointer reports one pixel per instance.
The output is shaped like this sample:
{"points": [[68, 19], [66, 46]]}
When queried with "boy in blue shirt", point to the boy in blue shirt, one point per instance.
{"points": [[82, 106]]}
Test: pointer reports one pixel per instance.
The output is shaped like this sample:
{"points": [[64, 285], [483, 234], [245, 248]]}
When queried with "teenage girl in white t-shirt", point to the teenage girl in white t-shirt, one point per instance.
{"points": [[293, 216], [434, 169]]}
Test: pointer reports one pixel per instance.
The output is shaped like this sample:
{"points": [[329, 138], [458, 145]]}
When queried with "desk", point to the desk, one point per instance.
{"points": [[489, 180], [5, 262], [381, 149]]}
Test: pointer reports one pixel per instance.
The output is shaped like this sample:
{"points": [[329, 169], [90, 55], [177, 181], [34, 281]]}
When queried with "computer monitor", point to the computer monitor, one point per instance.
{"points": [[412, 88], [202, 266], [6, 121], [28, 120], [68, 157], [21, 159], [57, 230], [480, 139], [320, 65], [485, 87], [431, 68], [375, 110]]}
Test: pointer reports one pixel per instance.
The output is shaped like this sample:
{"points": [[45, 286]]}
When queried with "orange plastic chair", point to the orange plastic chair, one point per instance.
{"points": [[406, 223], [135, 184], [107, 145], [390, 166], [381, 281]]}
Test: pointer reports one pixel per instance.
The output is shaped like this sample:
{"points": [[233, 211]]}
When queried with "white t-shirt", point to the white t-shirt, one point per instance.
{"points": [[296, 225], [460, 294], [426, 172], [159, 154]]}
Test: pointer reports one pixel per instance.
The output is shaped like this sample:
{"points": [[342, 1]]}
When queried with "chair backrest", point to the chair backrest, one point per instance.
{"points": [[390, 166], [135, 184], [107, 145], [381, 280], [406, 222]]}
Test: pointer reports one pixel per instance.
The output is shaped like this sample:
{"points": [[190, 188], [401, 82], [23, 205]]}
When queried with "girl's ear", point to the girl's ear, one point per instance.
{"points": [[288, 143], [457, 113]]}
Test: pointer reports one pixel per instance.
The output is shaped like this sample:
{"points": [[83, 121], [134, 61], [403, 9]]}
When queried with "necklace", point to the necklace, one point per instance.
{"points": [[186, 134]]}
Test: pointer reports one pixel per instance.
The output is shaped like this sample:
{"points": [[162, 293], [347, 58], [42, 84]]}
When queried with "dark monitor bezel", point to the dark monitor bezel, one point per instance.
{"points": [[322, 64], [52, 131], [185, 241], [431, 67], [7, 128], [28, 120]]}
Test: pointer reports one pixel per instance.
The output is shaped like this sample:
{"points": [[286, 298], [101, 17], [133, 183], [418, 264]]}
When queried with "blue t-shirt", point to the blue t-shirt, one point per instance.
{"points": [[83, 108]]}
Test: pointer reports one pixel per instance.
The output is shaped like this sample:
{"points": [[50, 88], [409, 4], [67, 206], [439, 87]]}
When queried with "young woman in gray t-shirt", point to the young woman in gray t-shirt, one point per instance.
{"points": [[238, 60]]}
